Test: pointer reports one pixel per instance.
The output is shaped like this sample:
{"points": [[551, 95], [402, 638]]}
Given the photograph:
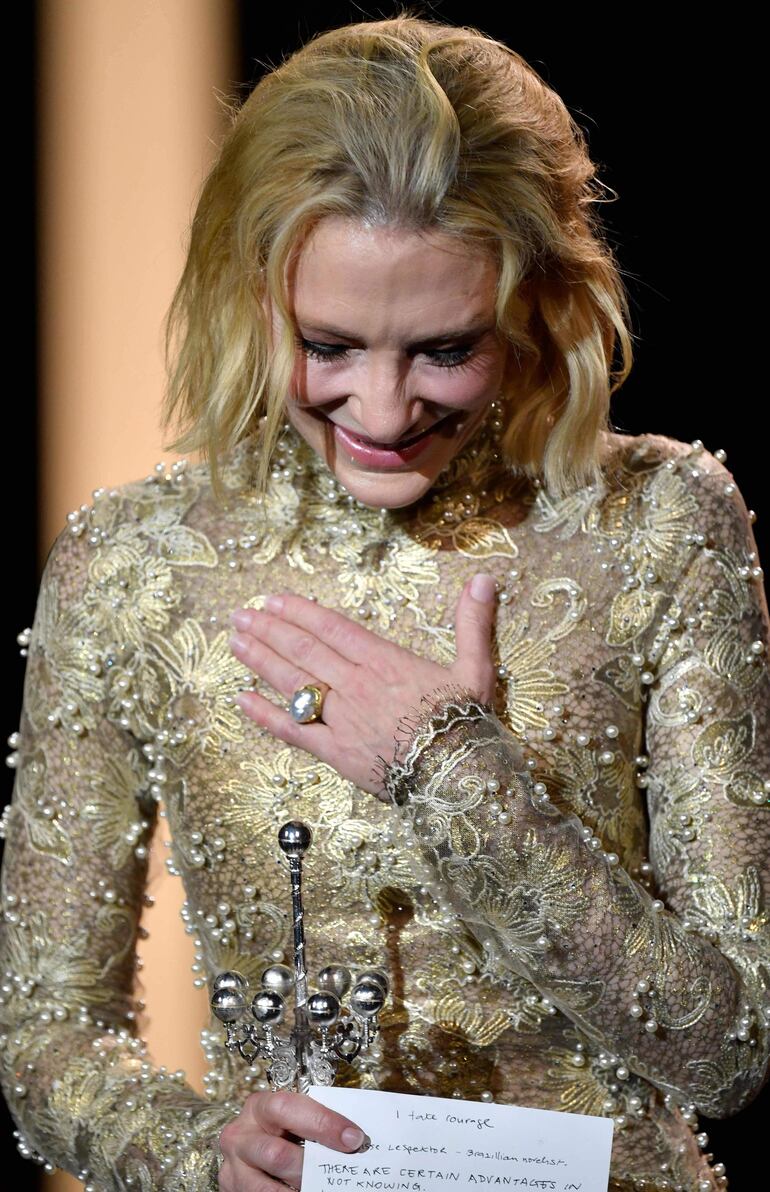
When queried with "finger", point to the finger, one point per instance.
{"points": [[250, 1156], [314, 736], [240, 1177], [284, 676], [349, 639], [295, 645], [308, 1119], [271, 1154], [474, 622]]}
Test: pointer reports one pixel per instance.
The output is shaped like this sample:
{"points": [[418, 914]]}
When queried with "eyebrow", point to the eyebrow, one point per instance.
{"points": [[476, 329]]}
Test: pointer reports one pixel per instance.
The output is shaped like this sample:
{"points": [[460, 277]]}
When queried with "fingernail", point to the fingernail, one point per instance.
{"points": [[240, 618], [355, 1138], [274, 604], [483, 587]]}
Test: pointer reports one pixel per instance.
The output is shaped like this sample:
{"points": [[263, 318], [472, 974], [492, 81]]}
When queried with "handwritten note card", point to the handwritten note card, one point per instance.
{"points": [[430, 1144]]}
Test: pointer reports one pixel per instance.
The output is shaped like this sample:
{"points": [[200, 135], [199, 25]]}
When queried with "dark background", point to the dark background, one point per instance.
{"points": [[667, 108]]}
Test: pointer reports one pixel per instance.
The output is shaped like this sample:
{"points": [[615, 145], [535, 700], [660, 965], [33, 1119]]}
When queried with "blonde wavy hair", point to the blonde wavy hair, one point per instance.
{"points": [[411, 124]]}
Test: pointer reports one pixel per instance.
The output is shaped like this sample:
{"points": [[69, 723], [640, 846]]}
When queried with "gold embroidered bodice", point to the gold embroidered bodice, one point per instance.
{"points": [[568, 890]]}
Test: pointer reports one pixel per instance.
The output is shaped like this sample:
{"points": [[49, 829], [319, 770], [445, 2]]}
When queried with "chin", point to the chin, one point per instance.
{"points": [[391, 489], [384, 490]]}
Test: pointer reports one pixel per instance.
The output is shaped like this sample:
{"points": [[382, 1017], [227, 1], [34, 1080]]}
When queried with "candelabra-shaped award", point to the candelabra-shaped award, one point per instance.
{"points": [[325, 1031]]}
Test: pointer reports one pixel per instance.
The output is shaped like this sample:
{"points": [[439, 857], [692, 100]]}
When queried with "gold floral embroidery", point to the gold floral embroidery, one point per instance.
{"points": [[48, 974], [377, 571], [530, 682], [275, 525], [571, 513], [188, 684], [129, 593], [632, 613], [679, 805], [112, 812], [44, 822], [454, 1015], [473, 537], [261, 796]]}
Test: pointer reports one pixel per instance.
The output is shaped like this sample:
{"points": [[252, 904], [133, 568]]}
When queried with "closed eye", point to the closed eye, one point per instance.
{"points": [[441, 357]]}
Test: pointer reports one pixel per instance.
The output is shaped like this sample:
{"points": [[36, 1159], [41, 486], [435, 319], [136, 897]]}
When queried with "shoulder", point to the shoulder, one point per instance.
{"points": [[686, 490], [703, 472], [645, 452], [116, 574], [151, 516]]}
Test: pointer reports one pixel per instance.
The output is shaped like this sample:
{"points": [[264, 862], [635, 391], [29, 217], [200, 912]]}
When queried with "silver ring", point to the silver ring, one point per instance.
{"points": [[306, 704]]}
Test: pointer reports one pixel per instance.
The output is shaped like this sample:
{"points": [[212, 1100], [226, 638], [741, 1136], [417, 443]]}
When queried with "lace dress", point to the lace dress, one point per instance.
{"points": [[568, 890]]}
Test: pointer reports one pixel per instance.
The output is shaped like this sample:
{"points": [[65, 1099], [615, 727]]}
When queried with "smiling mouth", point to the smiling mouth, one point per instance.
{"points": [[448, 418]]}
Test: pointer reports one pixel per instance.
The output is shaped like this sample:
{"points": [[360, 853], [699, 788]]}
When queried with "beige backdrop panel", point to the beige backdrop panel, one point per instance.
{"points": [[129, 126]]}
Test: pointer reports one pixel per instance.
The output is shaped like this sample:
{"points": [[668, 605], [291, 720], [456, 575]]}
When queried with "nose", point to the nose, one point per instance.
{"points": [[381, 409]]}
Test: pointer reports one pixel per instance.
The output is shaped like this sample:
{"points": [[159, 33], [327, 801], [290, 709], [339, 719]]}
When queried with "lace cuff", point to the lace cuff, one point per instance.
{"points": [[438, 725]]}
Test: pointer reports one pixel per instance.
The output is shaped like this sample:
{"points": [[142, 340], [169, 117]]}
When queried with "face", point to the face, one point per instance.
{"points": [[397, 355]]}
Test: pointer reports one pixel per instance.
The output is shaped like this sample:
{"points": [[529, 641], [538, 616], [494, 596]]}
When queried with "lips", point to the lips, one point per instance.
{"points": [[402, 442]]}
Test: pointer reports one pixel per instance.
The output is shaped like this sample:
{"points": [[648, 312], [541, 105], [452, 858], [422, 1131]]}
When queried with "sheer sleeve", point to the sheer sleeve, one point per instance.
{"points": [[672, 981], [76, 1077]]}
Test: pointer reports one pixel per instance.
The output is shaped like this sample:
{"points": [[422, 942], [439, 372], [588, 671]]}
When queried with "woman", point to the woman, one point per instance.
{"points": [[538, 797]]}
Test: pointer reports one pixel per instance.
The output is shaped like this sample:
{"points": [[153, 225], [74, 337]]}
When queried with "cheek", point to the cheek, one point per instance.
{"points": [[312, 383], [465, 388]]}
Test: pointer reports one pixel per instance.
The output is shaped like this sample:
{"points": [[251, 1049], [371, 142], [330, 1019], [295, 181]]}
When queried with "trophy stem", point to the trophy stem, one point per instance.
{"points": [[301, 1026]]}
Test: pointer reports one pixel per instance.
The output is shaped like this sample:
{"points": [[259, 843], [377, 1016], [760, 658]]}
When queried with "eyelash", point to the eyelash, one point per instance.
{"points": [[448, 358]]}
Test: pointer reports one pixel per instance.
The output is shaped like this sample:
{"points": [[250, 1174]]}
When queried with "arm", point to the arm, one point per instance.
{"points": [[678, 986], [77, 1080]]}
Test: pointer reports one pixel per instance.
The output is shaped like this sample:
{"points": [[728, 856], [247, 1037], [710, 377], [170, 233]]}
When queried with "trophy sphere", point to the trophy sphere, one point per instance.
{"points": [[335, 978], [268, 1007], [294, 838], [367, 999], [279, 978], [323, 1009], [230, 980], [228, 1005], [374, 975]]}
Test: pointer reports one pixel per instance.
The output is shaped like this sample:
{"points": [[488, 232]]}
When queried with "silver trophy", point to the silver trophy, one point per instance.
{"points": [[325, 1031]]}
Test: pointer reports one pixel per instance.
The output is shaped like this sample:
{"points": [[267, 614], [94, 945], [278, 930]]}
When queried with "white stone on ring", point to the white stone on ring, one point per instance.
{"points": [[306, 703]]}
